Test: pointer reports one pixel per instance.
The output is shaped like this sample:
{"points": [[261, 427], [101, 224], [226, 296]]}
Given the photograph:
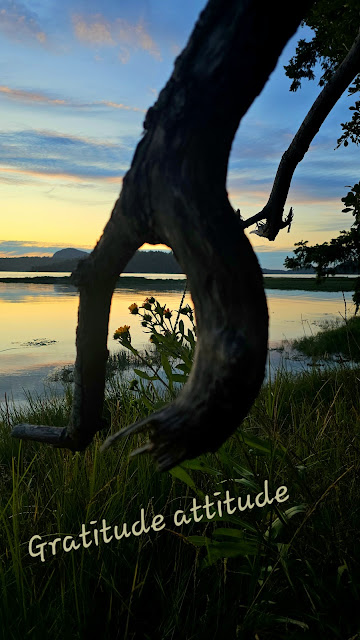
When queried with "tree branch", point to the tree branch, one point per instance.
{"points": [[175, 193], [340, 80]]}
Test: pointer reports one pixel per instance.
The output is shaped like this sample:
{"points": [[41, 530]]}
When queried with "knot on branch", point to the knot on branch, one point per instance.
{"points": [[270, 228]]}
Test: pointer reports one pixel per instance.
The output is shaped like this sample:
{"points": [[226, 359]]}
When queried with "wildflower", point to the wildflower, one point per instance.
{"points": [[186, 310], [167, 313], [134, 308], [147, 317], [122, 332], [147, 304]]}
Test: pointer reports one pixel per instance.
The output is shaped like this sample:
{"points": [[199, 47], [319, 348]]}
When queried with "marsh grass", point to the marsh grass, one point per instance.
{"points": [[116, 364], [310, 284], [334, 338], [288, 571]]}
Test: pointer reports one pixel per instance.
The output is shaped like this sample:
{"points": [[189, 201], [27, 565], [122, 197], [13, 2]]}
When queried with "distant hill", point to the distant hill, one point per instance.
{"points": [[66, 260], [24, 263], [69, 254], [141, 262]]}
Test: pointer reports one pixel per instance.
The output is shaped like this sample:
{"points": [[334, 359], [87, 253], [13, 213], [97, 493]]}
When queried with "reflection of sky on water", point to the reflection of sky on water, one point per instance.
{"points": [[35, 311], [295, 313], [49, 312], [13, 292]]}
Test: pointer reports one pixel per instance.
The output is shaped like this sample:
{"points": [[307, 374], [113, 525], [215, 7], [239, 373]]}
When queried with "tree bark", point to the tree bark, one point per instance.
{"points": [[326, 100], [175, 193]]}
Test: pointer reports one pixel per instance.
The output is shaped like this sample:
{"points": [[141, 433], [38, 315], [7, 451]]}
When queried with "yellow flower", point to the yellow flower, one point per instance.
{"points": [[121, 331], [134, 308], [146, 304]]}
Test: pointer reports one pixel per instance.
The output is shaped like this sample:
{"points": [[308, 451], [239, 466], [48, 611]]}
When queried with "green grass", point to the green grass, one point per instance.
{"points": [[144, 284], [334, 338], [259, 572], [307, 284], [126, 282]]}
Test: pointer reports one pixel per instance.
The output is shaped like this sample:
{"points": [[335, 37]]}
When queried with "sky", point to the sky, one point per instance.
{"points": [[76, 81]]}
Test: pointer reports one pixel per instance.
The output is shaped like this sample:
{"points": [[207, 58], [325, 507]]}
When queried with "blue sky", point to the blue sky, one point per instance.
{"points": [[76, 81]]}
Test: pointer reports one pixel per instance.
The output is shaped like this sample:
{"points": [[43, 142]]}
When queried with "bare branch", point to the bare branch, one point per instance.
{"points": [[340, 80]]}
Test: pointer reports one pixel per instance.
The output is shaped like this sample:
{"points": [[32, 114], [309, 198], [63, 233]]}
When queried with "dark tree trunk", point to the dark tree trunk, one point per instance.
{"points": [[175, 193]]}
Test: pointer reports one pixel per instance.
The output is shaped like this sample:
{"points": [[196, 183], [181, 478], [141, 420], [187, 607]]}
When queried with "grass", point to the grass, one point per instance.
{"points": [[138, 283], [286, 572], [333, 339], [310, 284], [116, 364]]}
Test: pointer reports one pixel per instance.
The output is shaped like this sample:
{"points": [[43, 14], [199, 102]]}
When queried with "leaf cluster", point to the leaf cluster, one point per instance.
{"points": [[335, 24], [342, 251]]}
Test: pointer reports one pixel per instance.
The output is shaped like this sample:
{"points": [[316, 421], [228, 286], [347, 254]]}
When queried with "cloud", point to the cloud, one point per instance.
{"points": [[47, 155], [53, 175], [16, 248], [128, 37], [29, 96], [96, 32], [118, 105], [18, 23], [25, 96]]}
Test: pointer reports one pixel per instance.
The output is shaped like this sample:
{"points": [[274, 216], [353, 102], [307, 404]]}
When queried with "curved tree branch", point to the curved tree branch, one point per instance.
{"points": [[340, 80], [175, 193]]}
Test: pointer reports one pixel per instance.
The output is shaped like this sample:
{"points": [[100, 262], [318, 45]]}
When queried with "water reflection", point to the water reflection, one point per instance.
{"points": [[31, 312]]}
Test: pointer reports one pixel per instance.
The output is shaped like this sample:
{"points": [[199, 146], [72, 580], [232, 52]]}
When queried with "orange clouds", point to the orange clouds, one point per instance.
{"points": [[29, 96], [42, 175], [117, 105], [97, 31], [22, 95], [19, 24]]}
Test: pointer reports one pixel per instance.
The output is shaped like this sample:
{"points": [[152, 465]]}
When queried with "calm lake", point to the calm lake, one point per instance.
{"points": [[38, 323]]}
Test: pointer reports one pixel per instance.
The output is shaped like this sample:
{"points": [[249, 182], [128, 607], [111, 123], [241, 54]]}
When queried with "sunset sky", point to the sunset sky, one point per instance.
{"points": [[76, 81]]}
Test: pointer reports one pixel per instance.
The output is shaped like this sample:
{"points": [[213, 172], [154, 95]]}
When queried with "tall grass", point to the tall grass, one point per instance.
{"points": [[283, 571], [341, 339]]}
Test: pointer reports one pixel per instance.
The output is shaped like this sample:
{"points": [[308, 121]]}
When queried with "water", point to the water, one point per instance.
{"points": [[38, 323], [62, 274]]}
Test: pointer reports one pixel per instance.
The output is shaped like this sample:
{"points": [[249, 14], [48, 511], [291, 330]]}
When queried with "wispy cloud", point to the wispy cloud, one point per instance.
{"points": [[118, 105], [126, 36], [17, 248], [19, 23], [25, 96], [46, 155], [95, 31], [53, 175], [30, 96]]}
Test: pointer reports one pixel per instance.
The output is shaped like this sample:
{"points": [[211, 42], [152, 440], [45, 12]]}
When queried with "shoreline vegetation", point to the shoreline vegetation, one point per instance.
{"points": [[336, 283], [283, 571], [341, 340], [280, 571]]}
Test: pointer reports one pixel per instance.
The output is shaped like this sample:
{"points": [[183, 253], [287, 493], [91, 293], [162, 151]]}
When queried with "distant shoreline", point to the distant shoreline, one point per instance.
{"points": [[337, 283]]}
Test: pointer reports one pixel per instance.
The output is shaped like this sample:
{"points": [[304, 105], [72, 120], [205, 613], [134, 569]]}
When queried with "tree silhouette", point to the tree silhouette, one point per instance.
{"points": [[175, 193]]}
